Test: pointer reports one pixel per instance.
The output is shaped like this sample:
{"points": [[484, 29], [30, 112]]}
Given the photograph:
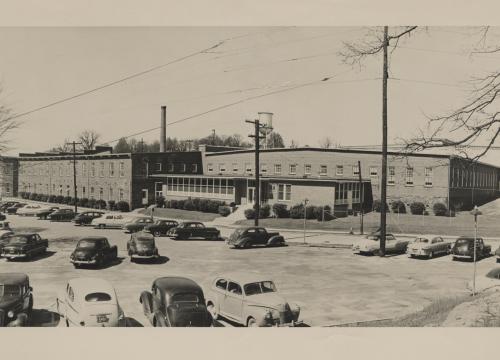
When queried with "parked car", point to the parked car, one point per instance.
{"points": [[161, 227], [193, 229], [13, 209], [44, 213], [62, 215], [428, 247], [93, 250], [86, 217], [250, 300], [90, 302], [110, 221], [250, 236], [464, 248], [137, 224], [8, 204], [142, 246], [30, 210], [24, 246], [5, 225], [370, 245], [4, 238], [497, 254], [488, 281], [2, 217], [16, 299], [175, 302]]}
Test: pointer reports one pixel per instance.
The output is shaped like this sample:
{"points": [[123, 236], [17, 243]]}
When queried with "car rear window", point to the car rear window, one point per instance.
{"points": [[185, 297], [18, 240], [98, 296], [9, 290]]}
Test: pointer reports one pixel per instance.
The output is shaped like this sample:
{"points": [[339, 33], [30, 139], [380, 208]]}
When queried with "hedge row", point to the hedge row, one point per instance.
{"points": [[195, 204], [83, 202], [416, 208], [295, 212]]}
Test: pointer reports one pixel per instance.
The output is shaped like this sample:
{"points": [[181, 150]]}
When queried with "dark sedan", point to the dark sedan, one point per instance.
{"points": [[62, 215], [46, 212], [464, 248], [137, 224], [142, 246], [16, 299], [193, 229], [161, 227], [13, 208], [7, 204], [93, 250], [86, 217]]}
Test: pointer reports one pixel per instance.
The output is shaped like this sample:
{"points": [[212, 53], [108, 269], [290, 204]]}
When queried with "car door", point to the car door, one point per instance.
{"points": [[438, 245], [261, 236], [233, 303], [71, 307], [192, 230], [219, 293], [252, 235]]}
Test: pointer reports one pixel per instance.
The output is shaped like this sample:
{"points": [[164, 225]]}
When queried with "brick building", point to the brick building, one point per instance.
{"points": [[8, 176]]}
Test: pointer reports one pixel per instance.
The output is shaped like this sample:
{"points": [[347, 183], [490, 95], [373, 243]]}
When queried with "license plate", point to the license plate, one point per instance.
{"points": [[102, 318]]}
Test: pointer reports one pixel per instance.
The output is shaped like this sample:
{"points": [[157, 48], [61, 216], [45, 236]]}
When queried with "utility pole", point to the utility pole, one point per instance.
{"points": [[361, 198], [383, 195], [142, 145], [257, 138], [213, 136], [75, 192]]}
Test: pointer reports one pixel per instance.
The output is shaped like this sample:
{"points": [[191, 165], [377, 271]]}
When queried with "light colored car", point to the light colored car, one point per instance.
{"points": [[370, 245], [90, 302], [428, 247], [5, 225], [250, 300], [31, 210], [488, 281], [116, 221]]}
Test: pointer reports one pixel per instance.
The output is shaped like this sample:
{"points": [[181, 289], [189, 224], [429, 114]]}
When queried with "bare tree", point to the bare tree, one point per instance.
{"points": [[294, 144], [328, 143], [65, 147], [7, 124], [89, 139]]}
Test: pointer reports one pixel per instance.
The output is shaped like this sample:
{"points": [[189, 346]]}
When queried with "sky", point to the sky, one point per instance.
{"points": [[430, 74]]}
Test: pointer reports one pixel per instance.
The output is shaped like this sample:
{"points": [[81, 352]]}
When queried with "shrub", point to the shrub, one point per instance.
{"points": [[417, 208], [173, 204], [33, 196], [180, 204], [52, 198], [189, 205], [203, 205], [250, 214], [265, 211], [72, 201], [122, 206], [377, 206], [281, 210], [297, 211], [91, 203], [100, 204], [224, 210], [84, 202], [398, 207], [323, 213], [439, 209], [66, 199], [196, 204], [111, 205], [232, 204], [59, 199]]}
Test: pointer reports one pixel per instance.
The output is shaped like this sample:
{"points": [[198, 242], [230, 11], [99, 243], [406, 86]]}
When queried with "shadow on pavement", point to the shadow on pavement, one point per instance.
{"points": [[131, 322], [158, 261], [44, 318], [28, 229], [45, 255], [116, 262]]}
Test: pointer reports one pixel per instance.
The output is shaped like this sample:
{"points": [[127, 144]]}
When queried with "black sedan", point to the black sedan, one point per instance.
{"points": [[46, 212], [13, 208], [86, 217], [161, 227], [6, 205], [93, 250], [62, 215], [137, 224]]}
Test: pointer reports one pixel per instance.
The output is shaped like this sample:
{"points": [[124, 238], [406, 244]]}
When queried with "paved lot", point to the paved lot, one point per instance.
{"points": [[331, 285]]}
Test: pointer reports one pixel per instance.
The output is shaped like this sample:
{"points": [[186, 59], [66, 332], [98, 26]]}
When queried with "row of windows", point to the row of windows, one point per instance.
{"points": [[183, 167], [83, 192], [86, 169], [200, 185], [468, 177]]}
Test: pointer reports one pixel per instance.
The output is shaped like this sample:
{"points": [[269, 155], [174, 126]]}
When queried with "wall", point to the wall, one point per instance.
{"points": [[9, 168]]}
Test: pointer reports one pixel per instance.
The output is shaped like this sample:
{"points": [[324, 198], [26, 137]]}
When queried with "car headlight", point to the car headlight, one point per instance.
{"points": [[10, 314]]}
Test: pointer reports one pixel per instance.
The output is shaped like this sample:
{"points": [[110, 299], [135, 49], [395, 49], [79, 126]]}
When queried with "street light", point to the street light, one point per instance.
{"points": [[305, 217], [475, 212]]}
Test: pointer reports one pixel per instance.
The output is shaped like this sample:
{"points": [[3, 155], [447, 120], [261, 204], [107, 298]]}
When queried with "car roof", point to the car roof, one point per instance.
{"points": [[13, 278], [177, 284], [94, 238], [26, 234], [244, 278], [143, 234], [92, 284]]}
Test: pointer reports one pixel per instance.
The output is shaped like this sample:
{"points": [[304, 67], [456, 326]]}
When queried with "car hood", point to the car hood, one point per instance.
{"points": [[269, 300], [7, 302], [367, 244], [80, 252], [419, 245]]}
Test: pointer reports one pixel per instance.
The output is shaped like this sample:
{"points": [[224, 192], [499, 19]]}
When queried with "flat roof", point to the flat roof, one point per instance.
{"points": [[262, 177]]}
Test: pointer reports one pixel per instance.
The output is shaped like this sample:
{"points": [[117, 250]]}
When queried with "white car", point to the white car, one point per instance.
{"points": [[116, 221], [90, 302], [250, 300], [488, 281], [31, 210], [370, 245]]}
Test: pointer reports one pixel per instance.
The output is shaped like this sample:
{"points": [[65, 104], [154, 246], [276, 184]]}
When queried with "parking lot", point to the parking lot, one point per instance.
{"points": [[332, 286]]}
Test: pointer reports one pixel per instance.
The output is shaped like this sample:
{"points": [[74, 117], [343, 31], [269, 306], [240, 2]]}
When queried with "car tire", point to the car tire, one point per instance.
{"points": [[157, 233], [247, 245], [213, 312], [431, 255], [67, 323], [251, 322]]}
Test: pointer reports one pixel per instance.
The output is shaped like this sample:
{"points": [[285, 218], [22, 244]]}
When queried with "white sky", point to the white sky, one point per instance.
{"points": [[42, 65]]}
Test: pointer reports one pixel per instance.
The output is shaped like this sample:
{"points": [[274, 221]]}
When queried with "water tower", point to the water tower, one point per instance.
{"points": [[266, 123]]}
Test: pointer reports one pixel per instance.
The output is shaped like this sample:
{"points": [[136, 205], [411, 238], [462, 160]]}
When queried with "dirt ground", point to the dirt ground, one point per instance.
{"points": [[332, 286]]}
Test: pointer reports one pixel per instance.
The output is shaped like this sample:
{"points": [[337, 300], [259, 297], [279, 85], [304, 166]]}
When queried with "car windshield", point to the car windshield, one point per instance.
{"points": [[185, 298], [372, 237], [87, 244], [98, 296], [9, 290], [145, 241], [421, 240], [18, 240], [494, 274], [259, 288], [462, 241]]}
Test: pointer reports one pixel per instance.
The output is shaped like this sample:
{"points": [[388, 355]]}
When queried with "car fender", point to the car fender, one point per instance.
{"points": [[275, 240], [158, 319], [258, 312], [243, 241], [21, 320], [146, 299]]}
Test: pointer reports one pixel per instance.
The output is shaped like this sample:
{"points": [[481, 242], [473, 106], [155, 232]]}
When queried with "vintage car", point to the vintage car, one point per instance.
{"points": [[250, 300], [4, 238], [5, 225], [90, 302], [464, 248], [44, 213], [488, 281], [161, 227], [24, 246], [110, 221], [13, 209], [370, 245], [62, 215], [86, 217], [137, 224], [250, 236], [30, 210], [175, 302], [93, 250], [2, 217], [16, 299], [8, 204], [142, 246], [192, 229], [497, 254], [428, 247]]}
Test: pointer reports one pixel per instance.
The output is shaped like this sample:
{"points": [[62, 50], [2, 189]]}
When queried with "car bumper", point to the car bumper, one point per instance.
{"points": [[14, 256], [462, 256], [83, 262], [417, 253], [135, 256]]}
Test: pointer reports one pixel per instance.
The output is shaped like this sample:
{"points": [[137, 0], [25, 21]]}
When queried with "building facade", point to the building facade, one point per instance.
{"points": [[8, 176]]}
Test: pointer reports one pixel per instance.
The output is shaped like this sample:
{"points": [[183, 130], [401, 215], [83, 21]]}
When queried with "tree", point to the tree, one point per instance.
{"points": [[65, 147], [328, 143], [7, 124], [275, 140], [294, 144], [89, 139], [122, 146]]}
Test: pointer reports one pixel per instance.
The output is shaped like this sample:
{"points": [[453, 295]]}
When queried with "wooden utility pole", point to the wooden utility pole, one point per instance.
{"points": [[257, 138], [383, 185], [361, 199], [75, 192]]}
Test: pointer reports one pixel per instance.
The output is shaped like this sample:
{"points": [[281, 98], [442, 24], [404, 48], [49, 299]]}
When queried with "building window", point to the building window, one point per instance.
{"points": [[428, 176], [183, 168], [101, 193], [339, 170], [120, 194], [111, 169], [307, 169], [323, 170], [210, 167], [101, 169], [373, 171], [67, 190], [235, 167], [92, 169], [263, 168], [284, 192], [222, 168], [92, 192], [277, 169], [110, 193], [158, 167], [391, 175], [248, 167], [122, 169], [355, 170], [409, 176], [194, 168], [60, 171], [158, 190], [292, 170], [83, 191]]}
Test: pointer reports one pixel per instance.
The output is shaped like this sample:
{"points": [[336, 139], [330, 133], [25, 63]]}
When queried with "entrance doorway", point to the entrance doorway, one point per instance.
{"points": [[144, 196], [251, 195]]}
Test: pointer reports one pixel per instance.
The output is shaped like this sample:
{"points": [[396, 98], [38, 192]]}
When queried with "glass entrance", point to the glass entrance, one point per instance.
{"points": [[251, 195]]}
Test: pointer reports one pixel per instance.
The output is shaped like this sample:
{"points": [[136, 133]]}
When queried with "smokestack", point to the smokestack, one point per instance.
{"points": [[163, 131]]}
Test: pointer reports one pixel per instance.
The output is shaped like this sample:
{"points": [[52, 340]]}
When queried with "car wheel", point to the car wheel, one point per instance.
{"points": [[251, 322], [431, 255], [157, 233], [212, 311], [247, 245], [67, 323]]}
